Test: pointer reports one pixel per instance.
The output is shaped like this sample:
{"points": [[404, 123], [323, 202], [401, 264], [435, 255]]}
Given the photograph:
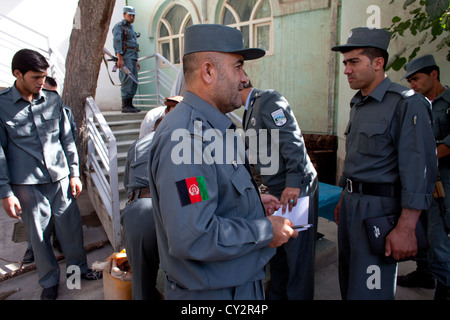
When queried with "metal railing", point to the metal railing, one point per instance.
{"points": [[162, 80], [103, 171], [15, 36]]}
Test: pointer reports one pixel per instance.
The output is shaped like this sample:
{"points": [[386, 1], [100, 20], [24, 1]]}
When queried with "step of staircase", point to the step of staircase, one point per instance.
{"points": [[126, 128]]}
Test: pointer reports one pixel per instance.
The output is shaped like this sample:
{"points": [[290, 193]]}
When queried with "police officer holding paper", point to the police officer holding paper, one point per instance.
{"points": [[214, 239], [390, 167], [292, 176]]}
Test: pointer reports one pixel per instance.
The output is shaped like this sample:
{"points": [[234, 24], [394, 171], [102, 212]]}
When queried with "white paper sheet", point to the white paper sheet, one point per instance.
{"points": [[299, 213]]}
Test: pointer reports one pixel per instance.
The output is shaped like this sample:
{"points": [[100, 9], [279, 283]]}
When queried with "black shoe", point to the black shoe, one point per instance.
{"points": [[417, 279], [92, 275], [28, 257], [130, 110], [442, 292], [49, 293]]}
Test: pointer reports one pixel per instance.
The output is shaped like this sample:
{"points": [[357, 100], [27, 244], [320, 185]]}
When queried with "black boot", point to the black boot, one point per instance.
{"points": [[422, 277], [49, 293], [417, 279], [127, 106], [130, 104]]}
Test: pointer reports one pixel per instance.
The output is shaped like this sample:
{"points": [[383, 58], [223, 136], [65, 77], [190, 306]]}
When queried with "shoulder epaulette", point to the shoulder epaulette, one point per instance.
{"points": [[402, 90], [6, 90]]}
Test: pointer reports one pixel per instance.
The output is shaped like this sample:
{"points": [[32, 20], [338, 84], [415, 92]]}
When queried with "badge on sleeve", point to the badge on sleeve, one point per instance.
{"points": [[192, 190], [278, 117]]}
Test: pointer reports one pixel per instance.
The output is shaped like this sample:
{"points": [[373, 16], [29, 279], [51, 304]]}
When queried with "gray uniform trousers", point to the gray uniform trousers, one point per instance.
{"points": [[139, 236], [439, 250], [39, 204], [363, 276], [292, 267], [129, 88], [250, 291]]}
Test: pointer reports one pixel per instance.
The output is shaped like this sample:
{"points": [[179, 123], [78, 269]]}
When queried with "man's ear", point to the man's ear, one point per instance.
{"points": [[207, 71], [434, 74], [17, 74], [378, 63]]}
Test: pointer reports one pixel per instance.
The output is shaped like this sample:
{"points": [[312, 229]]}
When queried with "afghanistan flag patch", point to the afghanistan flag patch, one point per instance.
{"points": [[192, 190]]}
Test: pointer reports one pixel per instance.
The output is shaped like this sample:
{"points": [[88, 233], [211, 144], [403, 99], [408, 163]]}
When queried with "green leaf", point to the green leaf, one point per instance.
{"points": [[398, 63], [408, 3], [396, 19], [414, 53]]}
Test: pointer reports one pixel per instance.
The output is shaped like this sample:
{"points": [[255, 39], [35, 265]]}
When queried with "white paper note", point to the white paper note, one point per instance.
{"points": [[299, 213]]}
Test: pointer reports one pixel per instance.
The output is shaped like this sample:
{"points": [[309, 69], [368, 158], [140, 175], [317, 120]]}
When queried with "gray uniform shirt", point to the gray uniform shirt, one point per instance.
{"points": [[269, 110], [130, 41], [218, 240], [37, 144], [389, 139], [441, 125], [136, 167]]}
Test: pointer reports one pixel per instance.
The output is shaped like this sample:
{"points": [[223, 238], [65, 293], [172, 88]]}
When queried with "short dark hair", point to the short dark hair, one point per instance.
{"points": [[29, 60], [51, 81], [372, 53], [427, 71]]}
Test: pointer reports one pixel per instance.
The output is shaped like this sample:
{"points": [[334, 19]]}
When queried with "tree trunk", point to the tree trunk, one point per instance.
{"points": [[91, 25]]}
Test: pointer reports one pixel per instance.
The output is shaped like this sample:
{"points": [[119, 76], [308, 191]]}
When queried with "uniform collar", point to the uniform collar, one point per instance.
{"points": [[377, 93], [213, 116], [444, 95], [247, 102], [16, 95]]}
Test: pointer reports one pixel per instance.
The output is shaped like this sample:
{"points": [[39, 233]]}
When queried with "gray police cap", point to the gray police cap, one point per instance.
{"points": [[417, 64], [364, 37], [129, 10], [218, 38]]}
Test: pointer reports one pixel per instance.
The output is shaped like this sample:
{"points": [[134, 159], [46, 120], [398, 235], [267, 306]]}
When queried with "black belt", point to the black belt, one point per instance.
{"points": [[390, 190], [143, 193]]}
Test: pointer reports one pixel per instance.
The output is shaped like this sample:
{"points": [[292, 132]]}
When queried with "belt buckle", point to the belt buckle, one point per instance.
{"points": [[349, 186]]}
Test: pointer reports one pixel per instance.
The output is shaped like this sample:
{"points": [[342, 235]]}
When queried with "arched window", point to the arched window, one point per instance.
{"points": [[171, 33], [254, 19]]}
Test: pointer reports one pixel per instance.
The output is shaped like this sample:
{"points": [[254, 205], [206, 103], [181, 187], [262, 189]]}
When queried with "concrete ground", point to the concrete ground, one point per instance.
{"points": [[25, 286]]}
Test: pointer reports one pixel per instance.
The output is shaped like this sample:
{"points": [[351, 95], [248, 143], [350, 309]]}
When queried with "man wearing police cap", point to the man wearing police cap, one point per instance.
{"points": [[390, 167], [424, 76], [126, 49], [214, 239]]}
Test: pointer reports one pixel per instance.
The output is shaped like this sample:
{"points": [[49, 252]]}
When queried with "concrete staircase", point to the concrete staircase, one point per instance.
{"points": [[126, 127]]}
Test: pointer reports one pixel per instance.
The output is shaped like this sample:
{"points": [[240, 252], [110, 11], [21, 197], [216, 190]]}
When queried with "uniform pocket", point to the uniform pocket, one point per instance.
{"points": [[372, 138], [20, 125], [244, 194], [51, 119]]}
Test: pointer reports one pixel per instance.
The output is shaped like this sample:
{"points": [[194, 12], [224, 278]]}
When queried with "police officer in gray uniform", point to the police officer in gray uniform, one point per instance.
{"points": [[424, 76], [293, 176], [214, 239], [390, 167], [126, 49], [39, 175], [139, 233]]}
